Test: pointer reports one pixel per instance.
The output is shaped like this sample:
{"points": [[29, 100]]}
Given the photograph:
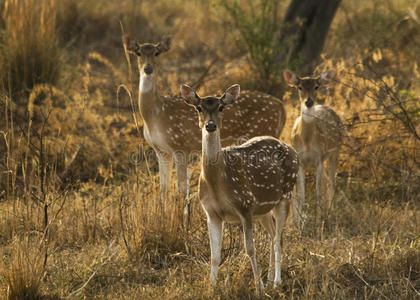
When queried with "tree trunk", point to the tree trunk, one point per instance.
{"points": [[306, 25]]}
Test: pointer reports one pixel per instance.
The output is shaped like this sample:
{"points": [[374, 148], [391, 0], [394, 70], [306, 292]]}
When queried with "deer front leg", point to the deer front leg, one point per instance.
{"points": [[250, 251], [215, 225], [165, 173]]}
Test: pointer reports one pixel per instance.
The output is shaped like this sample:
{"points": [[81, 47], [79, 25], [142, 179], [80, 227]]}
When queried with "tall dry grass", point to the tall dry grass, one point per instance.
{"points": [[22, 268], [29, 51]]}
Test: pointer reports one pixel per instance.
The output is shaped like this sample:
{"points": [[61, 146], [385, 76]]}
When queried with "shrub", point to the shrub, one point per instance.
{"points": [[259, 28]]}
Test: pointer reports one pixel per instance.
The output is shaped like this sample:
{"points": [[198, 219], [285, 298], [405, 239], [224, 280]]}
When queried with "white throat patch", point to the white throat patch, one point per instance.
{"points": [[146, 83], [308, 114]]}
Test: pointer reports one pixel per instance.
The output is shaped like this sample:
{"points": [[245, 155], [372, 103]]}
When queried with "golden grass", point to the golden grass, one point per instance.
{"points": [[113, 241], [22, 268]]}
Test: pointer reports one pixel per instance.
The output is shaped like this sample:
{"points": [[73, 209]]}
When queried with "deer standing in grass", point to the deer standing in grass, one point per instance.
{"points": [[242, 183], [171, 129], [317, 136]]}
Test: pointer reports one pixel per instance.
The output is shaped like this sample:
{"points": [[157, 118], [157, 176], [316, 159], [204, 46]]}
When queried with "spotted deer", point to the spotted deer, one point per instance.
{"points": [[317, 136], [171, 129], [239, 184]]}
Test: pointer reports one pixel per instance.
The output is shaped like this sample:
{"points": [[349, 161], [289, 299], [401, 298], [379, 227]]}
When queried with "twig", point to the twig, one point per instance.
{"points": [[196, 85], [94, 272]]}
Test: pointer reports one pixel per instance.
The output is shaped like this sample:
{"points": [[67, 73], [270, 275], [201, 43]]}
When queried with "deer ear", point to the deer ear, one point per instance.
{"points": [[164, 45], [190, 96], [326, 77], [231, 95], [131, 45], [290, 77]]}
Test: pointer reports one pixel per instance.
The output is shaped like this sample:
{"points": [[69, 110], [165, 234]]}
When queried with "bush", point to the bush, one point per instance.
{"points": [[259, 27]]}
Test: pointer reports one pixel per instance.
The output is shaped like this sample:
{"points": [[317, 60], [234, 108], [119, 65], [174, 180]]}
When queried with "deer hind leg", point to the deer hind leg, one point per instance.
{"points": [[215, 226], [281, 211], [332, 168], [250, 251], [182, 174], [268, 223], [300, 198], [165, 174], [183, 177], [320, 209]]}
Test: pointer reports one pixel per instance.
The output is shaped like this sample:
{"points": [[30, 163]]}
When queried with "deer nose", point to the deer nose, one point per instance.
{"points": [[148, 69], [211, 126], [309, 102]]}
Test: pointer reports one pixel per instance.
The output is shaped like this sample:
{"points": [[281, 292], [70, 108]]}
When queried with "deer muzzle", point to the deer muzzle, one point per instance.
{"points": [[211, 126], [148, 69], [309, 102]]}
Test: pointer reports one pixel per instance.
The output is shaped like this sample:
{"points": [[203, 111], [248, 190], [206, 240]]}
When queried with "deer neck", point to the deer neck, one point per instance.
{"points": [[149, 102], [308, 123], [212, 155]]}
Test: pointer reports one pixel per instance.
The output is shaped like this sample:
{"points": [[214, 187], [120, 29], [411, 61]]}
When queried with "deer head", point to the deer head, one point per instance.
{"points": [[210, 109], [308, 88], [146, 53]]}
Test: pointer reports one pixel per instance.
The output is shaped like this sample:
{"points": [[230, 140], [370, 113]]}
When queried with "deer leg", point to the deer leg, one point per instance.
{"points": [[183, 185], [268, 223], [165, 173], [280, 214], [182, 178], [318, 187], [250, 251], [332, 168], [300, 197], [215, 226]]}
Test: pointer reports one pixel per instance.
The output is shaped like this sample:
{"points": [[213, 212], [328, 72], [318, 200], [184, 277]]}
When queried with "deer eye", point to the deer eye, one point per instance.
{"points": [[199, 109], [316, 87], [221, 107], [300, 88]]}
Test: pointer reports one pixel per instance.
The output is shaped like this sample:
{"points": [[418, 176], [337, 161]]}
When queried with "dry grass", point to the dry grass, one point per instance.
{"points": [[73, 153], [30, 53], [22, 268]]}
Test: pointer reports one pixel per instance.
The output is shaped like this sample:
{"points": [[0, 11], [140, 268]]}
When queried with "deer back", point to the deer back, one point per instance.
{"points": [[254, 114], [259, 174]]}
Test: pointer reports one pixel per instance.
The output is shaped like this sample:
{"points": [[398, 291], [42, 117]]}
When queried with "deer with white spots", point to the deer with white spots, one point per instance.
{"points": [[317, 136], [239, 184], [171, 129]]}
